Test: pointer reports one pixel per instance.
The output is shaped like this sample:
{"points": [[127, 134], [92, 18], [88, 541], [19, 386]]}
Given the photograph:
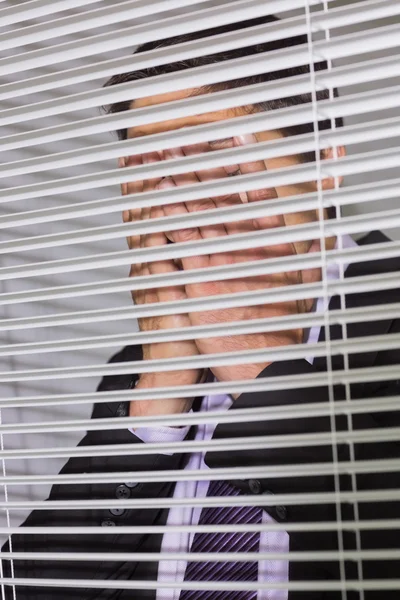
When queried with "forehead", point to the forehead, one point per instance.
{"points": [[192, 120]]}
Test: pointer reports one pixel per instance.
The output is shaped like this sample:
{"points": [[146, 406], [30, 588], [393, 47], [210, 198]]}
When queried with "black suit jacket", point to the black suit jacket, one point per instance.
{"points": [[299, 541]]}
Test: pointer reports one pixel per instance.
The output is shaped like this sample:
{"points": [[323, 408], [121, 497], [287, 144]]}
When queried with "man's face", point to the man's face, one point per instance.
{"points": [[192, 121]]}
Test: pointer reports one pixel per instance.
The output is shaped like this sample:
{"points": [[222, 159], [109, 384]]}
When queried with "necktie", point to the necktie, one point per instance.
{"points": [[224, 542]]}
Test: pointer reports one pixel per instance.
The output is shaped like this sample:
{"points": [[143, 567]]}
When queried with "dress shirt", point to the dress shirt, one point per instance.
{"points": [[270, 541]]}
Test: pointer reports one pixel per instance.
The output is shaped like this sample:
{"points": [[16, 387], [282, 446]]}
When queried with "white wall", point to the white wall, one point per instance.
{"points": [[43, 309]]}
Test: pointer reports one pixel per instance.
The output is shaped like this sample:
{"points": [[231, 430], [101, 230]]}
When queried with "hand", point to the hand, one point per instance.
{"points": [[250, 341], [166, 294]]}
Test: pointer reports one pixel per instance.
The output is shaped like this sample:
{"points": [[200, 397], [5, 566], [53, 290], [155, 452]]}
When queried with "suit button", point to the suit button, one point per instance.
{"points": [[117, 512], [107, 523], [281, 512], [122, 491], [131, 484], [255, 486], [122, 409]]}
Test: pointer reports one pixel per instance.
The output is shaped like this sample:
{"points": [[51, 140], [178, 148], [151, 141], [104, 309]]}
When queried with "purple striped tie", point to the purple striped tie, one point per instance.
{"points": [[224, 542]]}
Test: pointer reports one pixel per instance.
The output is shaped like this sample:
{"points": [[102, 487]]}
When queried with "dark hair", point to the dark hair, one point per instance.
{"points": [[243, 81]]}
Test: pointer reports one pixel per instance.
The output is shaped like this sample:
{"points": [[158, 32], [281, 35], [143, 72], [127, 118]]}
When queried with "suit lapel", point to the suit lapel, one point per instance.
{"points": [[363, 299]]}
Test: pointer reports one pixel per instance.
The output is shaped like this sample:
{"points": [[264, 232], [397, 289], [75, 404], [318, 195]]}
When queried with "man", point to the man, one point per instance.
{"points": [[318, 528]]}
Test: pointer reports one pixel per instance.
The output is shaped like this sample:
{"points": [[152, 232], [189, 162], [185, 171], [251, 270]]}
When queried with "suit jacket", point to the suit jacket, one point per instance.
{"points": [[318, 540]]}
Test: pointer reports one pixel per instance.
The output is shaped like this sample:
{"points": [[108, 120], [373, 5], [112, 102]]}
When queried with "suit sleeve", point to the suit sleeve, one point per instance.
{"points": [[88, 515]]}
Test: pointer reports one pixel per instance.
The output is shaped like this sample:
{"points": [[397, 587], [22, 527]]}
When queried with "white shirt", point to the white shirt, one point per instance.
{"points": [[270, 541]]}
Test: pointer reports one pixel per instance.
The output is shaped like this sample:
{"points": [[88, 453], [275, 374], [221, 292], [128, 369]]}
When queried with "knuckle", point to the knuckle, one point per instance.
{"points": [[185, 235], [263, 194], [228, 199], [201, 205]]}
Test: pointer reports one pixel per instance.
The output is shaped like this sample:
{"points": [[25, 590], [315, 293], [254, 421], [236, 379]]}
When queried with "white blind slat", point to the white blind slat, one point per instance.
{"points": [[380, 39], [211, 556], [244, 473], [338, 197], [359, 43], [239, 241], [117, 13], [367, 406], [225, 501], [377, 374], [354, 285], [350, 165], [300, 321], [34, 9], [348, 105], [354, 134], [371, 524], [370, 584], [217, 15], [336, 17], [373, 343]]}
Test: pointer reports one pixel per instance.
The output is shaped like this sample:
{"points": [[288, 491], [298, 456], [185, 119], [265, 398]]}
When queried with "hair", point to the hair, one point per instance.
{"points": [[233, 83]]}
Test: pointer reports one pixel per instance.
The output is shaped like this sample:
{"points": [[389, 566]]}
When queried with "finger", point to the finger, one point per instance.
{"points": [[156, 238], [148, 185], [262, 194], [134, 241], [158, 267], [212, 172], [231, 170], [229, 199], [182, 235], [254, 167], [173, 210], [210, 231], [216, 172], [132, 187], [149, 158], [146, 295], [132, 214]]}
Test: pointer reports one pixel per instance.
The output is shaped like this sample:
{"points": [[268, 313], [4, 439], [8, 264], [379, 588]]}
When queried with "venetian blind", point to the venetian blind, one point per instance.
{"points": [[65, 289]]}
